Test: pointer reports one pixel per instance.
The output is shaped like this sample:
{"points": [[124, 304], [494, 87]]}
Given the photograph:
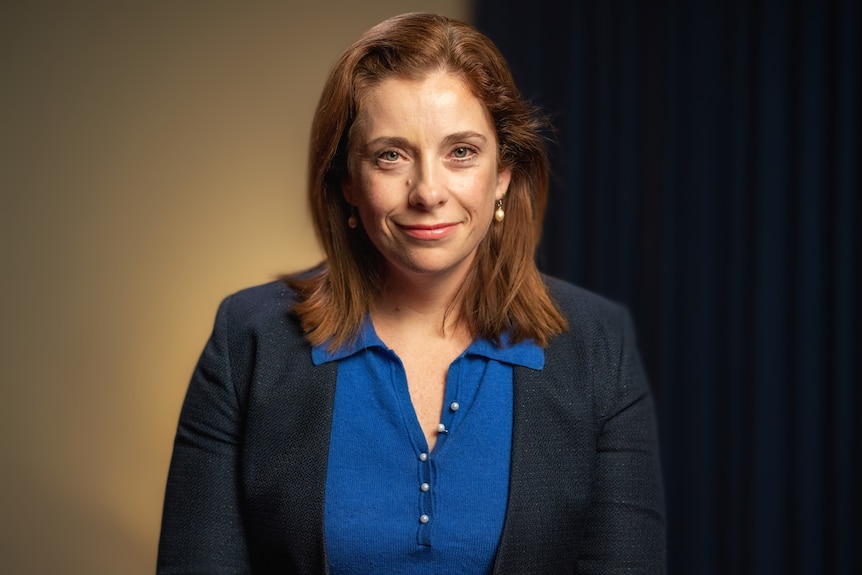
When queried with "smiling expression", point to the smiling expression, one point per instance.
{"points": [[424, 174]]}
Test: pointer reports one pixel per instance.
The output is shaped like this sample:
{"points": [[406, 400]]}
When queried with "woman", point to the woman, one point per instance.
{"points": [[423, 401]]}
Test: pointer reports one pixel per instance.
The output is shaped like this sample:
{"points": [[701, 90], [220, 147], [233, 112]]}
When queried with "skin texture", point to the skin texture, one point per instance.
{"points": [[424, 176], [424, 180]]}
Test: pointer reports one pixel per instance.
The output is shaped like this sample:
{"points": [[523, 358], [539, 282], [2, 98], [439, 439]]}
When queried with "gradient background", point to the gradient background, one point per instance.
{"points": [[153, 161]]}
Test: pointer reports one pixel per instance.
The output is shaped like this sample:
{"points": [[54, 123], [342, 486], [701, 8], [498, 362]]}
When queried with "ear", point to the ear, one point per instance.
{"points": [[503, 178], [348, 191]]}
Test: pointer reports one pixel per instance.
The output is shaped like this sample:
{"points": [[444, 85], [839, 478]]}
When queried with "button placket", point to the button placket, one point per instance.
{"points": [[423, 536], [453, 384]]}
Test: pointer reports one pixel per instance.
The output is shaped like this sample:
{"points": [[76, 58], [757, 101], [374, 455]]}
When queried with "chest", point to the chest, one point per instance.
{"points": [[426, 370], [390, 497]]}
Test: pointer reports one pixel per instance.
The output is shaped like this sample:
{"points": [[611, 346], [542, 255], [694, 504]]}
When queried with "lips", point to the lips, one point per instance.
{"points": [[429, 231]]}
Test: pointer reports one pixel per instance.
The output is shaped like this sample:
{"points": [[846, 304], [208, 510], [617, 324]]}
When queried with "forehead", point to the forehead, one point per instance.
{"points": [[440, 98]]}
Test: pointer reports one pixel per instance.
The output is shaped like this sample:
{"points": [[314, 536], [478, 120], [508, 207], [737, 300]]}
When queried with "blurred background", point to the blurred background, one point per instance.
{"points": [[153, 161], [704, 174]]}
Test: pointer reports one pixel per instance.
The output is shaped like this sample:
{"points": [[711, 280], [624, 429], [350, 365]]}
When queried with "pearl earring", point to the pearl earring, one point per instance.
{"points": [[499, 214], [352, 221]]}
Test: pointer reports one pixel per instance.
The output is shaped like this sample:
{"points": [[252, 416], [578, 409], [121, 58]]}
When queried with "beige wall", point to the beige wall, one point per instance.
{"points": [[152, 162]]}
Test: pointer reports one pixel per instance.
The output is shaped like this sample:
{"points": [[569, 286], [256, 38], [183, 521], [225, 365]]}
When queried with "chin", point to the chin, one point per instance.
{"points": [[433, 267]]}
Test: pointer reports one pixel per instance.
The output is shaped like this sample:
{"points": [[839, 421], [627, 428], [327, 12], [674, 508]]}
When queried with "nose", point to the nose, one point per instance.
{"points": [[425, 188]]}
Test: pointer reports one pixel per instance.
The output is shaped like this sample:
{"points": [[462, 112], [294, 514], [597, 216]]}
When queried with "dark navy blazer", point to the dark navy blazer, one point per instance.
{"points": [[245, 490]]}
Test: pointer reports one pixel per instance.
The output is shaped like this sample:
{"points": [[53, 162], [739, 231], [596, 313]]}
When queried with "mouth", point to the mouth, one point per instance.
{"points": [[428, 231]]}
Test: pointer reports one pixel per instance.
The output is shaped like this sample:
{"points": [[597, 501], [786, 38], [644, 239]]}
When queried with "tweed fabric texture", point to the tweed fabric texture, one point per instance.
{"points": [[246, 485]]}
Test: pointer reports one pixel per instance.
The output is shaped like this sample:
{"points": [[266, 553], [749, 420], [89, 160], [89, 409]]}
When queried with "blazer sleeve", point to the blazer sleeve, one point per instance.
{"points": [[625, 530], [202, 527]]}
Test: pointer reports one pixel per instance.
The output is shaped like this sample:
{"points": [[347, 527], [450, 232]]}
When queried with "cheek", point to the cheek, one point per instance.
{"points": [[373, 211], [479, 190], [382, 195]]}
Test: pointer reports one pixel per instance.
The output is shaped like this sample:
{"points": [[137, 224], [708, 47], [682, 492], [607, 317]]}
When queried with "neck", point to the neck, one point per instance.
{"points": [[420, 302]]}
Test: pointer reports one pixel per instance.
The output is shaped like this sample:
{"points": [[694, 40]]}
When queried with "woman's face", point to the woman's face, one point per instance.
{"points": [[424, 174]]}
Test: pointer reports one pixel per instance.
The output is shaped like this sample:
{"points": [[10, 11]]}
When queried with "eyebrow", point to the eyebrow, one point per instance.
{"points": [[388, 141], [458, 136], [404, 143]]}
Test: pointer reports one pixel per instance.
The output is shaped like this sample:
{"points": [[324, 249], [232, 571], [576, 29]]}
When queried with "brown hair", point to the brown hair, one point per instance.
{"points": [[504, 292]]}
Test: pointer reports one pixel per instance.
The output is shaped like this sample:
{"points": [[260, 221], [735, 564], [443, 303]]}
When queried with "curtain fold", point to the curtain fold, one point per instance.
{"points": [[705, 173]]}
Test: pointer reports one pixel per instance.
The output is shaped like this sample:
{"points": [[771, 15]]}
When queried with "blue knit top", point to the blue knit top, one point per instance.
{"points": [[393, 507]]}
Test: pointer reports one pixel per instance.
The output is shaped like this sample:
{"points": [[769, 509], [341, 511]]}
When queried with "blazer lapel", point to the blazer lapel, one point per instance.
{"points": [[553, 451], [286, 455]]}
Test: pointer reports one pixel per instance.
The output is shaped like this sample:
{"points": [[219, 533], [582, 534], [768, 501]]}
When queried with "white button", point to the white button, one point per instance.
{"points": [[424, 487], [454, 406], [441, 428], [423, 519], [423, 457]]}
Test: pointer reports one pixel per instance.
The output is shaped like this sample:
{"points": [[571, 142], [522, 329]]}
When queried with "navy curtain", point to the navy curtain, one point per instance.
{"points": [[705, 174]]}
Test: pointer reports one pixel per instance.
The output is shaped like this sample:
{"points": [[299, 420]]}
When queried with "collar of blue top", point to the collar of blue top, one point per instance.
{"points": [[525, 353]]}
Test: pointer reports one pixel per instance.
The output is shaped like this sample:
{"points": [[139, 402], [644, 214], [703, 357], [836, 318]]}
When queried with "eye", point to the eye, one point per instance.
{"points": [[390, 156], [463, 152]]}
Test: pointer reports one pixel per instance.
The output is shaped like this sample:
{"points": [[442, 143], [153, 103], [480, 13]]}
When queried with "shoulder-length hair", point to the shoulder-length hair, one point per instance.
{"points": [[504, 292]]}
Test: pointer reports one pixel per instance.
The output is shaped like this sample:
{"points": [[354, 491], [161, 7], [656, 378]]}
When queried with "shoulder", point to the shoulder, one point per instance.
{"points": [[599, 344], [582, 308], [264, 308], [260, 299], [257, 331]]}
